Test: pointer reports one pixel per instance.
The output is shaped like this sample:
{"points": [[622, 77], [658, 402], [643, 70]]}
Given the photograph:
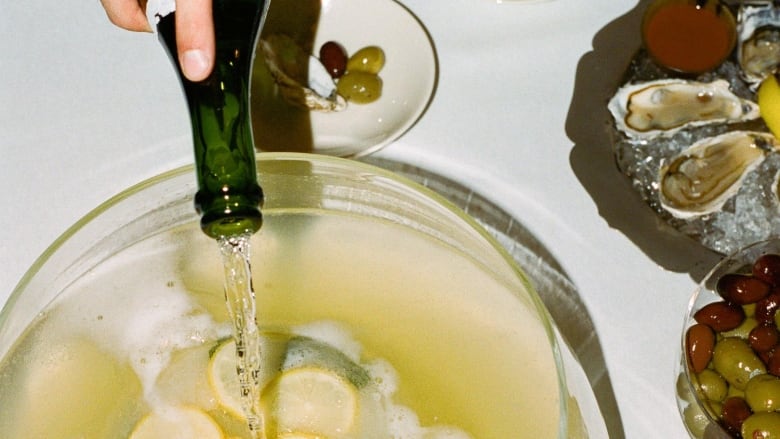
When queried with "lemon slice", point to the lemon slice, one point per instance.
{"points": [[177, 423], [769, 103], [223, 378], [312, 401]]}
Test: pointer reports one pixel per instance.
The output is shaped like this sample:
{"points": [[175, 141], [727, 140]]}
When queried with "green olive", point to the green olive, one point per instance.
{"points": [[733, 391], [360, 87], [369, 59], [735, 361], [715, 409], [765, 425], [695, 419], [712, 385], [743, 330], [683, 389], [762, 393]]}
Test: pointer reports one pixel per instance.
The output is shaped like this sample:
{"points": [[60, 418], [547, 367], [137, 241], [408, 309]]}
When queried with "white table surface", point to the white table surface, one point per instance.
{"points": [[87, 110]]}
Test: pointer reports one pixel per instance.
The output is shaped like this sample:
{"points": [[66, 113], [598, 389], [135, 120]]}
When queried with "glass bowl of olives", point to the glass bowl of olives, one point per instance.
{"points": [[729, 380], [331, 78]]}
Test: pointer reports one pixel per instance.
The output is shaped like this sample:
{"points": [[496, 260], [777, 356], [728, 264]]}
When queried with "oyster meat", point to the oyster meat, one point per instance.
{"points": [[663, 107], [301, 77], [700, 179], [776, 187], [758, 49]]}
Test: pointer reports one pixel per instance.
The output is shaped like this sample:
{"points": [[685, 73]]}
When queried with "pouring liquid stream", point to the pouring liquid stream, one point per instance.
{"points": [[241, 305]]}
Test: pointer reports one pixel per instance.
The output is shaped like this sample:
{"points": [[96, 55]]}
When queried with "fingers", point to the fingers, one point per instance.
{"points": [[195, 38], [127, 14], [194, 31]]}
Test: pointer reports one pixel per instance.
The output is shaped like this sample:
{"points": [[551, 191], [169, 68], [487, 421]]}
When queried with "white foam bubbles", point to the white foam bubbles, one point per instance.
{"points": [[403, 423], [142, 327], [383, 375], [333, 334]]}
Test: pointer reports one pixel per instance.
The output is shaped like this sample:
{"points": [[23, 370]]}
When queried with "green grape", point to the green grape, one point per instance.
{"points": [[369, 59], [360, 87]]}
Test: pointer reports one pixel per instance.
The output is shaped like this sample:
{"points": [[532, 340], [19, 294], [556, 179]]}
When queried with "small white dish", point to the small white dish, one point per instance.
{"points": [[409, 77], [409, 74]]}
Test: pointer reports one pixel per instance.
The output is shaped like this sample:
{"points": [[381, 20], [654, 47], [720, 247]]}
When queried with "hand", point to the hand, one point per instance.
{"points": [[194, 31]]}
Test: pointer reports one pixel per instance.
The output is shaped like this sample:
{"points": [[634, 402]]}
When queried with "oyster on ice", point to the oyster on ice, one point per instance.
{"points": [[663, 107], [301, 77], [758, 49], [700, 179]]}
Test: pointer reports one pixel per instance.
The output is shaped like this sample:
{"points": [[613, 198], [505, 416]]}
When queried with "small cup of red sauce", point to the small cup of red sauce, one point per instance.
{"points": [[689, 36]]}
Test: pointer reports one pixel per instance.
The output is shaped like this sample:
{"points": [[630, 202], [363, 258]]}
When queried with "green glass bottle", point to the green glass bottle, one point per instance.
{"points": [[229, 197]]}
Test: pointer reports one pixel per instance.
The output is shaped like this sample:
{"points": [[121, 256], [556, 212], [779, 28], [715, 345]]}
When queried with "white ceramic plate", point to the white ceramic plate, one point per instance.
{"points": [[409, 74]]}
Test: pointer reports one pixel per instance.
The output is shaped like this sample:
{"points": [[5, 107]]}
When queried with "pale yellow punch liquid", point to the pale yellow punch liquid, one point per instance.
{"points": [[137, 332]]}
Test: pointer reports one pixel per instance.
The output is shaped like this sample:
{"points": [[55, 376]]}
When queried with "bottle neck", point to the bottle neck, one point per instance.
{"points": [[229, 196]]}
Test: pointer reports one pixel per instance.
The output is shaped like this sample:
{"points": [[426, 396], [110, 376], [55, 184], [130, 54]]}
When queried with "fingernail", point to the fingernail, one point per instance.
{"points": [[195, 64]]}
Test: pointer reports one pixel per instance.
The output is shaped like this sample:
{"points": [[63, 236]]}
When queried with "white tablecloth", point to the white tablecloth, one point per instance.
{"points": [[87, 110]]}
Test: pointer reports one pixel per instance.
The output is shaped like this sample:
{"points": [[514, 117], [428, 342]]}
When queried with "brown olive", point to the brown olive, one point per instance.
{"points": [[763, 338], [767, 268], [742, 289], [334, 58], [699, 343], [766, 308], [735, 411], [720, 316]]}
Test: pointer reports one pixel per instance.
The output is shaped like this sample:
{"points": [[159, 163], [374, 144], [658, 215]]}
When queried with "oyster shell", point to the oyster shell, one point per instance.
{"points": [[663, 107], [758, 48], [700, 179], [302, 79]]}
